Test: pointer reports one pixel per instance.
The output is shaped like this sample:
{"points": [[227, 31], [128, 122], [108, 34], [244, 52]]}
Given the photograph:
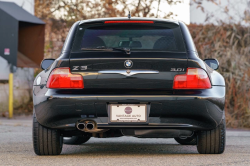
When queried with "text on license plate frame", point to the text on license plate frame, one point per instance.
{"points": [[132, 116]]}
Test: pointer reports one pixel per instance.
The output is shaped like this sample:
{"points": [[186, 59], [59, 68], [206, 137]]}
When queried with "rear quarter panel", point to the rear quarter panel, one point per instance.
{"points": [[194, 60]]}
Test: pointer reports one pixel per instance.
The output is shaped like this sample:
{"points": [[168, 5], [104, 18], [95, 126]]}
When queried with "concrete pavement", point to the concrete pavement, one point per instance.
{"points": [[16, 149]]}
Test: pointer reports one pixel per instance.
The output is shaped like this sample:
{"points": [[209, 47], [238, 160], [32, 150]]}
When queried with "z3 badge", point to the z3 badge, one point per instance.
{"points": [[81, 67]]}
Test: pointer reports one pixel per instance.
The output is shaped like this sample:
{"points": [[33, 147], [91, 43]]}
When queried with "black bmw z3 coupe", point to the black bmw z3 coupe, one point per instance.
{"points": [[136, 77]]}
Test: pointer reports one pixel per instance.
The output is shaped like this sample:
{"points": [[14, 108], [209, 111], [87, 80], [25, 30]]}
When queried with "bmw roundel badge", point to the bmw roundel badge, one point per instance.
{"points": [[128, 63]]}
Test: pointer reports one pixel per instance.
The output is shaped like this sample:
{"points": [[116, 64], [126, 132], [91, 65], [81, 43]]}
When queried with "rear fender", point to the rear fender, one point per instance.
{"points": [[215, 77]]}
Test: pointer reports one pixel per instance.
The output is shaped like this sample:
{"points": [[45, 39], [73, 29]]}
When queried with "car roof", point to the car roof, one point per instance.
{"points": [[127, 19]]}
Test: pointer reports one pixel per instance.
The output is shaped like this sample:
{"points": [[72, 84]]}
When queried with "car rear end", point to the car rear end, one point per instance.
{"points": [[132, 77]]}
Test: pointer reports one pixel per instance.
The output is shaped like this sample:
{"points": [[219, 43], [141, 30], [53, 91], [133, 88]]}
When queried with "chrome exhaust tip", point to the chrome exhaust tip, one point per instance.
{"points": [[90, 126], [81, 126]]}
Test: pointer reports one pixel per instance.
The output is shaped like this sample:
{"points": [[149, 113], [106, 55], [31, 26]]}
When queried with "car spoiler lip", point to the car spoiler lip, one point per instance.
{"points": [[127, 19]]}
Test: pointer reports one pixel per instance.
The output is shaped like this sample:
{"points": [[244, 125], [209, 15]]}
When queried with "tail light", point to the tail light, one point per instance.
{"points": [[61, 78], [194, 78]]}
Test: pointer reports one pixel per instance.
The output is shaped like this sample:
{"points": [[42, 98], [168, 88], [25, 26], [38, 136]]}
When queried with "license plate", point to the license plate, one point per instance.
{"points": [[128, 113]]}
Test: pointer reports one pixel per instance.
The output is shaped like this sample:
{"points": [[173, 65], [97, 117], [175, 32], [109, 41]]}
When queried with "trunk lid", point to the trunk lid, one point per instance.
{"points": [[112, 73]]}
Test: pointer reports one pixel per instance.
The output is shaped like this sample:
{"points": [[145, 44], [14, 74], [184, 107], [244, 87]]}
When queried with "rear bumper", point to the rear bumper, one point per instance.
{"points": [[202, 111]]}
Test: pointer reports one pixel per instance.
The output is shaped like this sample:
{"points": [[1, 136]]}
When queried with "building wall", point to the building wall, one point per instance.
{"points": [[4, 69], [23, 81], [23, 77], [27, 5], [235, 8], [182, 11]]}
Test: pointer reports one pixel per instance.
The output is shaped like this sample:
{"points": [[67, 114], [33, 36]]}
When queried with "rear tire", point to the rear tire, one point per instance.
{"points": [[46, 141], [75, 140], [187, 141], [213, 141]]}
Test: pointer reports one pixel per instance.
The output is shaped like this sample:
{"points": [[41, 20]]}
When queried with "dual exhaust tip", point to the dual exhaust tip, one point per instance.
{"points": [[86, 126]]}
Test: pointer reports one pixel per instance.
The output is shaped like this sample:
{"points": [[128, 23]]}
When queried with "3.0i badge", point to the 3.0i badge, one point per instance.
{"points": [[128, 63]]}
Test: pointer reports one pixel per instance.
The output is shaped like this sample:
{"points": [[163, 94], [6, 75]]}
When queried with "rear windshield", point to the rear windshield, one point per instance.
{"points": [[143, 37]]}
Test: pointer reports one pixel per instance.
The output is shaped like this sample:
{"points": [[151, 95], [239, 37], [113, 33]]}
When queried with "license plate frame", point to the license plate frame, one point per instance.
{"points": [[128, 120]]}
